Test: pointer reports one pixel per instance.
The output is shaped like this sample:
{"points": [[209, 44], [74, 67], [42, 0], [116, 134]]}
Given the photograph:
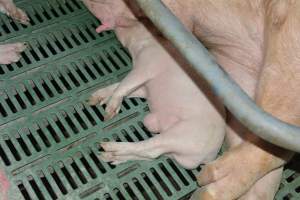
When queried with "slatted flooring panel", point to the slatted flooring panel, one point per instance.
{"points": [[49, 135]]}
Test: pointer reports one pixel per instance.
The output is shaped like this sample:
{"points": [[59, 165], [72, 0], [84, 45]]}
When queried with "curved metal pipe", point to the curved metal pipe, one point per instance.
{"points": [[235, 99]]}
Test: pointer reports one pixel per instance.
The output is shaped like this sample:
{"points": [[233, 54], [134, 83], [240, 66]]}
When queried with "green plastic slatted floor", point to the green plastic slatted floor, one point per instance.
{"points": [[49, 138]]}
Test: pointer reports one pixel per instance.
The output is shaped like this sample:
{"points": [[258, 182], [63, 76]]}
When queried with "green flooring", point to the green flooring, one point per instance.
{"points": [[49, 136]]}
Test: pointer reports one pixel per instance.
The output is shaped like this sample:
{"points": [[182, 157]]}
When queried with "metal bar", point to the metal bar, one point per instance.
{"points": [[236, 100]]}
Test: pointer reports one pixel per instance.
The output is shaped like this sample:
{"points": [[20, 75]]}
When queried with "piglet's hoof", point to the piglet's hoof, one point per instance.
{"points": [[10, 53], [96, 99], [19, 15], [110, 115], [11, 10], [113, 108], [199, 195]]}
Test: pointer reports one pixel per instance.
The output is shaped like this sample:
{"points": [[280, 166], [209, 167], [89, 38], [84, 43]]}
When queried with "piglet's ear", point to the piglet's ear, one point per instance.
{"points": [[103, 27]]}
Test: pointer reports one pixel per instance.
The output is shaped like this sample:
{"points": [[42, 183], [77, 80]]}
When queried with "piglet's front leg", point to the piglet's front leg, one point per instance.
{"points": [[103, 95], [132, 85], [10, 9], [132, 82]]}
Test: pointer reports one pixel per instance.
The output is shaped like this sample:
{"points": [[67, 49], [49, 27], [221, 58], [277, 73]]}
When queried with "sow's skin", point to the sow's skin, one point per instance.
{"points": [[257, 43], [10, 53], [191, 127]]}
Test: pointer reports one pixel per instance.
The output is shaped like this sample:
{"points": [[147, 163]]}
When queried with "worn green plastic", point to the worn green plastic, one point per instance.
{"points": [[49, 136]]}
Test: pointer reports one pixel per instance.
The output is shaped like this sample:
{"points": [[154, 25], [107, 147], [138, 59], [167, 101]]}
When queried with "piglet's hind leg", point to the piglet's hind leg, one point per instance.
{"points": [[119, 152]]}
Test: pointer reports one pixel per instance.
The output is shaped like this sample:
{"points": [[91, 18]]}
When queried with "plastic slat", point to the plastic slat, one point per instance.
{"points": [[86, 55]]}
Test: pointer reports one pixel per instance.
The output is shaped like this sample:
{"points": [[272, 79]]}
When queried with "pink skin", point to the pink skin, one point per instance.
{"points": [[255, 42], [103, 27], [8, 7], [112, 14], [191, 130], [246, 38], [4, 186], [10, 53]]}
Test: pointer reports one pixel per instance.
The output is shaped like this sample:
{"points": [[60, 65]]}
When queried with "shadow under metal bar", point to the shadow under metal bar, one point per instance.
{"points": [[236, 100]]}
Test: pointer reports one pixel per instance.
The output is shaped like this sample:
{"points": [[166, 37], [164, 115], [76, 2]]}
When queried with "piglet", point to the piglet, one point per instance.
{"points": [[191, 125]]}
